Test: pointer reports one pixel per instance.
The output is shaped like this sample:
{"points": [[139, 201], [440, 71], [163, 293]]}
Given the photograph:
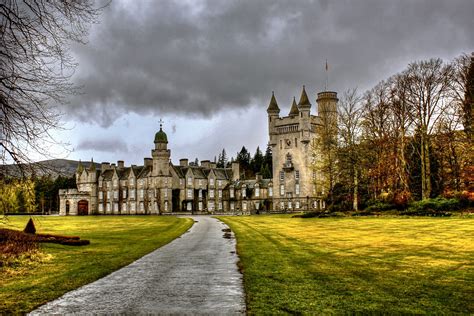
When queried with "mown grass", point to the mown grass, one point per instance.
{"points": [[115, 242], [361, 265]]}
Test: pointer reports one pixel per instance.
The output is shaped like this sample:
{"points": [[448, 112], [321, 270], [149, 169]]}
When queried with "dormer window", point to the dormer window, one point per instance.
{"points": [[190, 181], [211, 181]]}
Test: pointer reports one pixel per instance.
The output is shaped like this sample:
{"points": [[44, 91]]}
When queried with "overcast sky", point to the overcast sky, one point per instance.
{"points": [[208, 68]]}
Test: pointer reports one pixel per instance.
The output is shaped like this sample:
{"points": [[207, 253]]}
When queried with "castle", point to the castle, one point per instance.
{"points": [[159, 187]]}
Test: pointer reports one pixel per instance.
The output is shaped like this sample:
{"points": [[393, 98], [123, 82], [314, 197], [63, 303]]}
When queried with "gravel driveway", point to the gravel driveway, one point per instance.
{"points": [[194, 274]]}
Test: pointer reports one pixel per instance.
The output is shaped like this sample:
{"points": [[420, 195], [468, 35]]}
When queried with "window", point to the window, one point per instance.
{"points": [[200, 194], [181, 182], [314, 175], [142, 207], [124, 193], [124, 207], [297, 175], [282, 189], [257, 191], [115, 182], [244, 206], [133, 207], [289, 205], [282, 205], [219, 194], [190, 181], [108, 207], [166, 205], [116, 209], [244, 192], [190, 193], [133, 194], [297, 189], [220, 206], [211, 181], [211, 194], [200, 182], [200, 205], [231, 192], [210, 205], [141, 193], [108, 195], [296, 142], [189, 206], [132, 181], [141, 182], [101, 195], [231, 206], [281, 143], [115, 195], [219, 183], [270, 191], [297, 204], [150, 194], [101, 208], [282, 175]]}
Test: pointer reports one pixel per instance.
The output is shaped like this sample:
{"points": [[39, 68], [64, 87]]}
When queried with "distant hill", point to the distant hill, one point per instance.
{"points": [[53, 167]]}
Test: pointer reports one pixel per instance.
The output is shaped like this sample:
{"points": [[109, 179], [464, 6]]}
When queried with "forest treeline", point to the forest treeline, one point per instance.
{"points": [[408, 138]]}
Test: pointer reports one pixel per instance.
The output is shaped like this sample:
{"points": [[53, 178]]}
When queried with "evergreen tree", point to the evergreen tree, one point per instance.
{"points": [[243, 158], [257, 161], [222, 161], [268, 160]]}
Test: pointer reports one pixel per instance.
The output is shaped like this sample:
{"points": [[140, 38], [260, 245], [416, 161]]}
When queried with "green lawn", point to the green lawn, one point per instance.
{"points": [[356, 265], [115, 242]]}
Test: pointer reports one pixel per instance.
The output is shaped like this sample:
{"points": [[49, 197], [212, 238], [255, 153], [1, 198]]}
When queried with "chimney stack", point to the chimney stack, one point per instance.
{"points": [[205, 164], [120, 164], [104, 166], [183, 162], [147, 162], [235, 171]]}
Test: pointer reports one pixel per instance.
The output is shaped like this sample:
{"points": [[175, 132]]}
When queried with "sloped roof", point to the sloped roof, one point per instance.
{"points": [[294, 109], [273, 106], [304, 100], [107, 174]]}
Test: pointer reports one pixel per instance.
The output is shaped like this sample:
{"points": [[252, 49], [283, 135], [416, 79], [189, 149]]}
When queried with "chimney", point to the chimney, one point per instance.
{"points": [[213, 165], [205, 164], [183, 162], [235, 171], [120, 164], [147, 162], [104, 166]]}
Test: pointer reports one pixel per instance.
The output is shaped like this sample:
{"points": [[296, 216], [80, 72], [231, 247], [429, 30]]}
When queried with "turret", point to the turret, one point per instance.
{"points": [[294, 109], [273, 114], [161, 154], [304, 107], [327, 110]]}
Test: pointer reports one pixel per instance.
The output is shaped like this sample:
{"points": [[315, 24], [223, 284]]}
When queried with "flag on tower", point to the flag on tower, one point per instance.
{"points": [[326, 65]]}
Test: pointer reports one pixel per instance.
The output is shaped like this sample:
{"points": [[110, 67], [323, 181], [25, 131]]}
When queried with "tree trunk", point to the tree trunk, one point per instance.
{"points": [[355, 201]]}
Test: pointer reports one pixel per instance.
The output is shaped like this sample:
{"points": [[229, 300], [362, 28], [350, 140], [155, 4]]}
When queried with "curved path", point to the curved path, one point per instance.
{"points": [[194, 274]]}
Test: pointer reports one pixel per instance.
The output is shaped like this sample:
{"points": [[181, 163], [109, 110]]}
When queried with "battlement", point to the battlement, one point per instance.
{"points": [[327, 95]]}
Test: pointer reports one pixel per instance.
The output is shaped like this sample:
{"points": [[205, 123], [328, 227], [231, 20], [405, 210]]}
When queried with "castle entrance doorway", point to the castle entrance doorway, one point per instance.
{"points": [[175, 207], [67, 207], [82, 207]]}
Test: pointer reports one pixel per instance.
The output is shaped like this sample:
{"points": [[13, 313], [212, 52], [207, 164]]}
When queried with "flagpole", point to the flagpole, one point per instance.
{"points": [[326, 83]]}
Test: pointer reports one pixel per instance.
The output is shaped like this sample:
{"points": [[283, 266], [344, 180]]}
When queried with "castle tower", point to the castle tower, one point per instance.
{"points": [[161, 154], [305, 121], [327, 110], [273, 112]]}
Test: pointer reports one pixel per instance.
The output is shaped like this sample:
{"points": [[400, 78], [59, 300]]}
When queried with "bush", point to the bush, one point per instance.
{"points": [[435, 207], [379, 206]]}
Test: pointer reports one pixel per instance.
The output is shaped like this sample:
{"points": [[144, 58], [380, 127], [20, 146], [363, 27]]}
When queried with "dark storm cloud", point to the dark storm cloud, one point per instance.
{"points": [[104, 145], [197, 58]]}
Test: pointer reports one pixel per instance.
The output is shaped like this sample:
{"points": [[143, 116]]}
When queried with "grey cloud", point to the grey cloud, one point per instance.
{"points": [[171, 57], [103, 145]]}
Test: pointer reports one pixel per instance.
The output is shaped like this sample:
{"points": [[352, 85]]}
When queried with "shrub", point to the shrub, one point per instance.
{"points": [[435, 207], [379, 206]]}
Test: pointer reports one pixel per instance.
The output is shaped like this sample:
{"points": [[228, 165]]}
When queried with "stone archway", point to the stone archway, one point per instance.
{"points": [[82, 207]]}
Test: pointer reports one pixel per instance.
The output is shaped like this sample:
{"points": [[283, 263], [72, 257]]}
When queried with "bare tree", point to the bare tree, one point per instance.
{"points": [[35, 70], [427, 86], [350, 117]]}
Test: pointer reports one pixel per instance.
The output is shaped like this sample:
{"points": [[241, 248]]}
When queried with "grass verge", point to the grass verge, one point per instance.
{"points": [[356, 265], [115, 242]]}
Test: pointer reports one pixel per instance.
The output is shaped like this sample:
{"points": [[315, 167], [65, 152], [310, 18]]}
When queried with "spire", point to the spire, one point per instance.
{"points": [[294, 108], [92, 165], [304, 101], [80, 168], [273, 106]]}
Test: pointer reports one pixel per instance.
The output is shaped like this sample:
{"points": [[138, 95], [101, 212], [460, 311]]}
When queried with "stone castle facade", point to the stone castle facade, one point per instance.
{"points": [[159, 187]]}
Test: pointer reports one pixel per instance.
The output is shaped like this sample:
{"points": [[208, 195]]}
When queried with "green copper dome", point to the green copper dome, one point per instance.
{"points": [[160, 136]]}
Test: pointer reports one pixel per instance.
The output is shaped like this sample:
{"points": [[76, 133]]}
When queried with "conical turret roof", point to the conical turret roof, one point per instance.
{"points": [[294, 108], [92, 165], [80, 168], [304, 100], [273, 106]]}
